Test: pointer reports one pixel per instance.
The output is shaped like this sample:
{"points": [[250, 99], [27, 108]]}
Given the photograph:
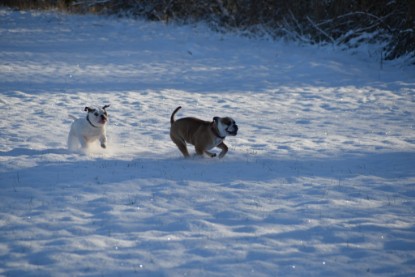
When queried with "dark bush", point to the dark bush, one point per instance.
{"points": [[343, 22]]}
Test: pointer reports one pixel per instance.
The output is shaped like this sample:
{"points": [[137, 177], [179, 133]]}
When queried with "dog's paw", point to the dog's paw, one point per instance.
{"points": [[222, 154], [210, 154]]}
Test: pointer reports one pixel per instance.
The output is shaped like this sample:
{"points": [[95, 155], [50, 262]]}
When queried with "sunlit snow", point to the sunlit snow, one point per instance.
{"points": [[319, 180]]}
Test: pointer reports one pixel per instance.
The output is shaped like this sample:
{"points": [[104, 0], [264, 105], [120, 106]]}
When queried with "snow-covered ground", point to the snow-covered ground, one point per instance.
{"points": [[320, 180]]}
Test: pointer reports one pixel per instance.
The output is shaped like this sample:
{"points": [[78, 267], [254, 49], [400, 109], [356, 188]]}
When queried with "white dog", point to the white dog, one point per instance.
{"points": [[88, 129]]}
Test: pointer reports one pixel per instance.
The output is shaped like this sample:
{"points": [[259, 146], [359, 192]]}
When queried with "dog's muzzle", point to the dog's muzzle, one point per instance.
{"points": [[232, 130], [103, 120]]}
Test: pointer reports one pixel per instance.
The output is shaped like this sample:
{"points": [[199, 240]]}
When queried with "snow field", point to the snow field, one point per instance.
{"points": [[319, 180]]}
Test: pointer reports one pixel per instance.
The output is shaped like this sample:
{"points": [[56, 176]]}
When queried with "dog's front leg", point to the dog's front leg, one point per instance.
{"points": [[199, 150], [224, 150], [103, 140]]}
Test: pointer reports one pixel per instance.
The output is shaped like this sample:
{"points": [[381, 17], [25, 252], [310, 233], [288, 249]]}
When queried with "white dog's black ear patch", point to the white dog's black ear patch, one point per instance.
{"points": [[88, 109], [106, 106]]}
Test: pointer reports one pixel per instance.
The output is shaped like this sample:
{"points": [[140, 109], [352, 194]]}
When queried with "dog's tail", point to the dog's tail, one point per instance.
{"points": [[172, 115]]}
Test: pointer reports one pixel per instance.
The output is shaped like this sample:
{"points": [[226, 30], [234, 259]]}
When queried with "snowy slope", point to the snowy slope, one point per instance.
{"points": [[319, 181]]}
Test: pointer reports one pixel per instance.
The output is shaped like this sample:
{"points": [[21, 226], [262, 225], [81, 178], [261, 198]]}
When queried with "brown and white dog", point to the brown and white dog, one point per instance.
{"points": [[204, 135], [86, 130]]}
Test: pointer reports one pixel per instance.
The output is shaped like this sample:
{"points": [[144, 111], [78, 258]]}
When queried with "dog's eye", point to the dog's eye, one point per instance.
{"points": [[96, 114]]}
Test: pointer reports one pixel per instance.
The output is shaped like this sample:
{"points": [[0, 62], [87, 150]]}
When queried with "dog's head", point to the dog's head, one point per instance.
{"points": [[97, 116], [226, 126]]}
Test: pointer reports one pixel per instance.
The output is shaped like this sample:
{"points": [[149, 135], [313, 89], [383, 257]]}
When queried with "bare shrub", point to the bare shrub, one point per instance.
{"points": [[343, 22]]}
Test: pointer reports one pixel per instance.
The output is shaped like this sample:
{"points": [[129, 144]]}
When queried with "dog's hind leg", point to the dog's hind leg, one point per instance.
{"points": [[181, 144], [72, 143]]}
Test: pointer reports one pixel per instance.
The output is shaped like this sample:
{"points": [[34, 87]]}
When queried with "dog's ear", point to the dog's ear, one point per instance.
{"points": [[88, 109], [106, 106]]}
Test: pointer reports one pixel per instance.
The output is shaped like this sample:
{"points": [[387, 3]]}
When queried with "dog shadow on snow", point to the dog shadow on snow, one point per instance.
{"points": [[229, 169]]}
